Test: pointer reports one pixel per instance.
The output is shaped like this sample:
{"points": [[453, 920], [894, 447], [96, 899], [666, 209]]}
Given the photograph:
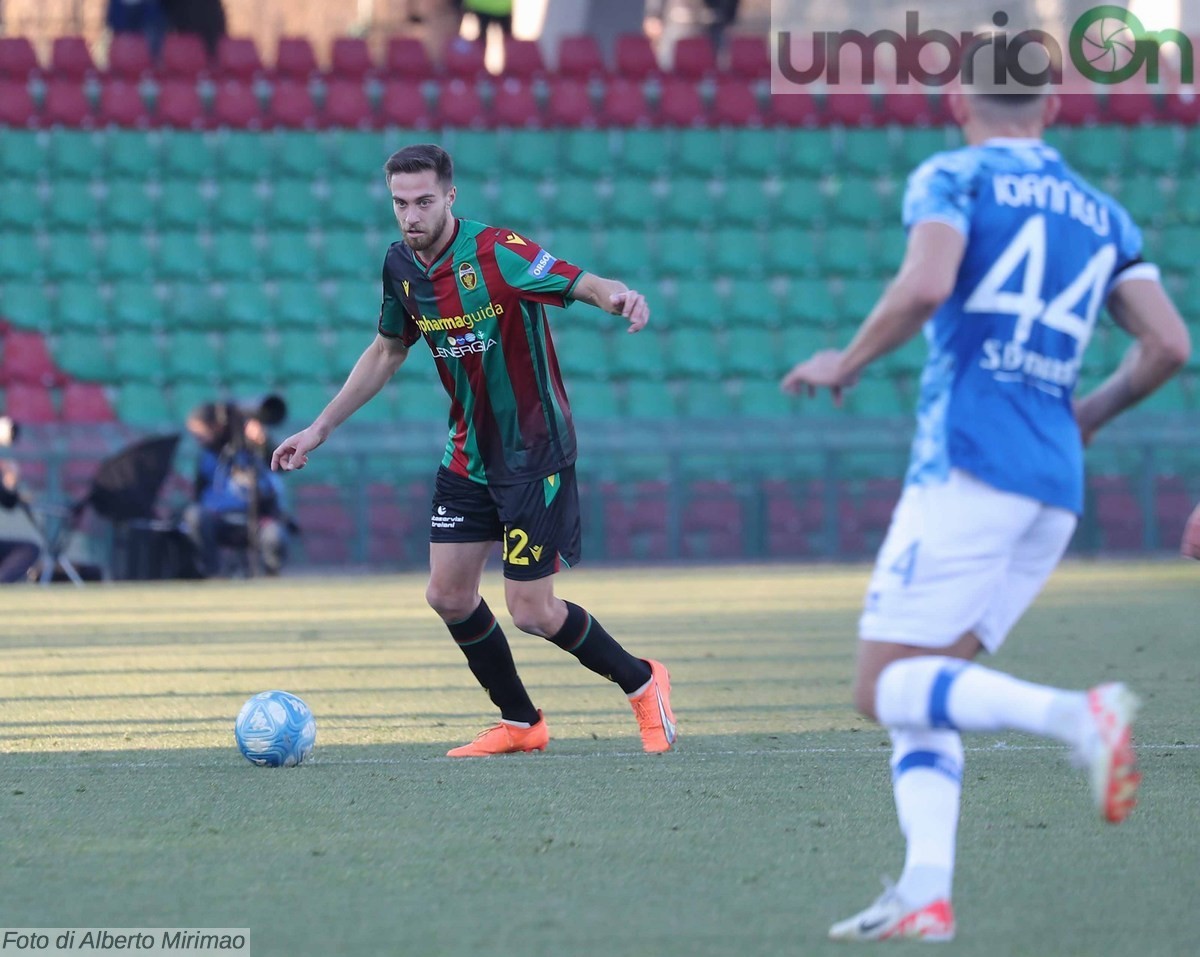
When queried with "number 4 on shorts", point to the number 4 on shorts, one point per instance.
{"points": [[906, 564]]}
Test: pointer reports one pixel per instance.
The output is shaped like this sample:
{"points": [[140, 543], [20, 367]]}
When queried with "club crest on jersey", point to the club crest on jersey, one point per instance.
{"points": [[466, 275]]}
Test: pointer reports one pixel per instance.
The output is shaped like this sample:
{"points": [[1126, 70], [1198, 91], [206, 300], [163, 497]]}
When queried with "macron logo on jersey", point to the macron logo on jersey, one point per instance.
{"points": [[542, 265]]}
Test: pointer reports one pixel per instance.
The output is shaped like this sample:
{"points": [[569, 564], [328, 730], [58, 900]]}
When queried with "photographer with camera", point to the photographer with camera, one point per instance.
{"points": [[237, 499], [17, 557]]}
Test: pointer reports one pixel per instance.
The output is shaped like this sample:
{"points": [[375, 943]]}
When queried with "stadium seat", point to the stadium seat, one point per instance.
{"points": [[908, 108], [17, 107], [244, 355], [693, 58], [26, 305], [637, 357], [243, 155], [295, 60], [238, 59], [850, 106], [524, 210], [303, 357], [346, 105], [180, 255], [289, 256], [693, 356], [19, 258], [129, 57], [405, 57], [239, 204], [587, 153], [744, 202], [21, 152], [236, 106], [1156, 149], [30, 404], [583, 353], [712, 523], [631, 204], [143, 405], [179, 106], [244, 306], [183, 57], [680, 103], [754, 152], [25, 359], [291, 106], [135, 305], [402, 103], [735, 104], [191, 356], [515, 105], [592, 401], [796, 108], [66, 104], [18, 60], [579, 57], [72, 209], [749, 56], [624, 104], [690, 203], [20, 207], [575, 202], [86, 403], [459, 105], [70, 255], [84, 356], [235, 256], [635, 520], [184, 208], [75, 153], [299, 306], [462, 59], [126, 256], [70, 59], [791, 252], [350, 59], [523, 59], [634, 58], [569, 104], [188, 155], [121, 104]]}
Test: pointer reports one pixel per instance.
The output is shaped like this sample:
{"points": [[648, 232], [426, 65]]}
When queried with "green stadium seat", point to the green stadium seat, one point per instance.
{"points": [[807, 154], [914, 146], [137, 357], [20, 207], [188, 395], [245, 306], [126, 255], [575, 246], [745, 202], [70, 255], [753, 153], [1098, 151], [576, 202], [909, 359], [587, 153], [856, 200], [1142, 196], [473, 197], [245, 355], [1172, 247], [792, 251], [697, 152], [350, 204], [299, 307], [74, 154], [693, 355], [191, 305], [188, 155], [845, 251], [641, 153], [181, 255], [143, 405], [626, 254], [693, 304], [289, 256], [875, 395], [633, 204], [301, 155], [689, 203], [80, 309], [238, 205], [302, 357], [27, 305], [21, 155], [1185, 203], [637, 356], [20, 258], [529, 155], [868, 151], [133, 154], [708, 400], [685, 252], [593, 401], [306, 400], [135, 305], [523, 207], [891, 243], [474, 152], [650, 399], [856, 300], [244, 155], [582, 350], [355, 305], [800, 204], [293, 205], [1156, 150], [809, 301], [81, 354], [346, 255], [234, 256], [183, 206], [191, 356], [128, 206], [748, 354], [356, 155], [346, 347]]}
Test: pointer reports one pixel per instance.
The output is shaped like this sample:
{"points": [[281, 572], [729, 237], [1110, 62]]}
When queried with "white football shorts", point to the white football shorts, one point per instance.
{"points": [[961, 556]]}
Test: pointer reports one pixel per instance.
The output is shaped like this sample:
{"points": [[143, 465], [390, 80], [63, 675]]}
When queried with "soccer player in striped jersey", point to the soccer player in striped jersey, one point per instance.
{"points": [[477, 294], [1010, 255]]}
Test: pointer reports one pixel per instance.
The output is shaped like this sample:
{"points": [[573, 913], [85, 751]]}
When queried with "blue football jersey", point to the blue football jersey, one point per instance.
{"points": [[1043, 250]]}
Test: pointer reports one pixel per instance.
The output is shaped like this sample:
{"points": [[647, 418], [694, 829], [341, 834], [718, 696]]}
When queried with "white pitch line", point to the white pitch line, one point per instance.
{"points": [[1000, 747]]}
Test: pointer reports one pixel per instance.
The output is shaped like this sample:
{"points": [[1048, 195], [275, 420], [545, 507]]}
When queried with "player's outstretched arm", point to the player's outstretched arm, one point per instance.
{"points": [[925, 280], [374, 368], [1161, 346], [615, 297]]}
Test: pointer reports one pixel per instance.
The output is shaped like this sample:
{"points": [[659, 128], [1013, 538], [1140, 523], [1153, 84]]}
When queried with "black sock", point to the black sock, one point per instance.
{"points": [[597, 650], [482, 641]]}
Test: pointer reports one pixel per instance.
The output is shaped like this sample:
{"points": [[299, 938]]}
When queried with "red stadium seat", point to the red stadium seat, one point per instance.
{"points": [[624, 104], [909, 107], [406, 57], [680, 104], [403, 104], [735, 103], [635, 58], [121, 104], [18, 61], [31, 404], [458, 104], [693, 58], [238, 59], [179, 106], [1079, 103], [1118, 513], [515, 105], [183, 57], [635, 519], [16, 104], [570, 104], [793, 109], [236, 106], [327, 528], [66, 104], [71, 59], [749, 56], [580, 57], [25, 359], [523, 59], [351, 59], [1132, 103], [86, 402], [464, 59], [129, 56], [712, 524], [1182, 105], [347, 104], [295, 60], [850, 106], [291, 106], [795, 517]]}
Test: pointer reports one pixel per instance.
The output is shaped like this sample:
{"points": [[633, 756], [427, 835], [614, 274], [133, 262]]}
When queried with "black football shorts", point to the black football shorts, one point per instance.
{"points": [[536, 523]]}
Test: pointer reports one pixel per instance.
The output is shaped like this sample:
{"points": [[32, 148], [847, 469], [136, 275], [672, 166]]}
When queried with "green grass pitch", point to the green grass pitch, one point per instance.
{"points": [[124, 802]]}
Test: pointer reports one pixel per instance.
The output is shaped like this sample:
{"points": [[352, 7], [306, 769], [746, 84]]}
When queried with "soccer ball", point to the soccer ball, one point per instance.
{"points": [[275, 729]]}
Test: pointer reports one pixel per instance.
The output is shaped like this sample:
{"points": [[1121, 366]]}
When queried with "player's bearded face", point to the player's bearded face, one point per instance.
{"points": [[423, 208]]}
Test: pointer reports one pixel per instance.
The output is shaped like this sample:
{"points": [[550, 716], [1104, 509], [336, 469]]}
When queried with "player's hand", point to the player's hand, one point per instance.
{"points": [[10, 474], [632, 305], [822, 370], [292, 452], [1190, 546]]}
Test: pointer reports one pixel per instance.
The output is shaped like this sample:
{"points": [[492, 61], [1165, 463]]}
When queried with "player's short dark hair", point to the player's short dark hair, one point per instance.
{"points": [[982, 58], [421, 157]]}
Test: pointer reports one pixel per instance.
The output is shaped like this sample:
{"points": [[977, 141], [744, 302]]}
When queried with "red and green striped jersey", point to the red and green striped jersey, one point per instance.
{"points": [[481, 308]]}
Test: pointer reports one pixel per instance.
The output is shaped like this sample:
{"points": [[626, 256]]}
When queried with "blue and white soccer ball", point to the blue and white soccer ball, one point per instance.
{"points": [[275, 729]]}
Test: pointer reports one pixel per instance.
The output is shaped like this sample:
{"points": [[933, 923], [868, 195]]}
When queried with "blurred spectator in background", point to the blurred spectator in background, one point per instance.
{"points": [[138, 16], [723, 13], [203, 17], [17, 557], [237, 499], [489, 12]]}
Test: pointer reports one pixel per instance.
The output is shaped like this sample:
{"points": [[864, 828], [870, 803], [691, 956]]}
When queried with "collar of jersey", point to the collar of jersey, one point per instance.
{"points": [[437, 260], [1013, 141]]}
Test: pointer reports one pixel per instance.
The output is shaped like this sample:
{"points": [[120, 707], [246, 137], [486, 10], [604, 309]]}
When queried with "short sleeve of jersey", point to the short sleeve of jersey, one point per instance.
{"points": [[532, 271], [394, 320], [940, 190], [1130, 264]]}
